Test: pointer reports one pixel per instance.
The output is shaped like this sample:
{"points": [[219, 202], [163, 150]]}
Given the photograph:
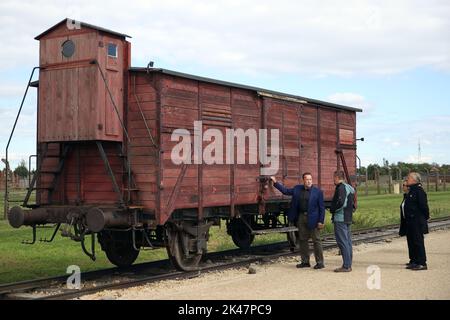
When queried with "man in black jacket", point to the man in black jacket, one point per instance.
{"points": [[417, 214]]}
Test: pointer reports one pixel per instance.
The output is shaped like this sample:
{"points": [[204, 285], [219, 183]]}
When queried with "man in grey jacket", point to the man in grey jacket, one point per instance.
{"points": [[342, 210]]}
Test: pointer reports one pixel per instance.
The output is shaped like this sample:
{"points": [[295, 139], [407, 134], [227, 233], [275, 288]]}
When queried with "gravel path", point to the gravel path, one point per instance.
{"points": [[281, 280]]}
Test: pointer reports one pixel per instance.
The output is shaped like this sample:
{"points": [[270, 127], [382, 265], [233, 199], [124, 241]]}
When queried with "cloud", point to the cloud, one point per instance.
{"points": [[385, 140], [326, 38], [391, 143], [415, 159], [352, 100], [7, 90], [26, 126]]}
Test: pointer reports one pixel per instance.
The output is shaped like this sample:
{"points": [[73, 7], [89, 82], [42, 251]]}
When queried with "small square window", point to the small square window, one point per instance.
{"points": [[112, 50]]}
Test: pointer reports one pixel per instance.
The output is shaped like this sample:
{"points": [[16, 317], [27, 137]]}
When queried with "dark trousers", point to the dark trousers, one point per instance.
{"points": [[304, 235], [416, 243]]}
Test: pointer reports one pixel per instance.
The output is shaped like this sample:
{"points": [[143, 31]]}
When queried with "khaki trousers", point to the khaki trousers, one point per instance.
{"points": [[304, 235]]}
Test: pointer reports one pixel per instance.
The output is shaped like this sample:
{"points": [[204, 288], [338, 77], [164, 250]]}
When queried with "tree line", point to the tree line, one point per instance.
{"points": [[401, 169], [394, 169]]}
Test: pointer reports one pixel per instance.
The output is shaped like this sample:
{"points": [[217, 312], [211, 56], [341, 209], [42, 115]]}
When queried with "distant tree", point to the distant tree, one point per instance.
{"points": [[362, 171], [371, 168], [21, 169]]}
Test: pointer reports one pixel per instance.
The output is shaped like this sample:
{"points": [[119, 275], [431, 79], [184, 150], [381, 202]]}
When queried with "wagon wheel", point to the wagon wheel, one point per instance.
{"points": [[241, 234], [182, 260], [292, 238], [118, 248]]}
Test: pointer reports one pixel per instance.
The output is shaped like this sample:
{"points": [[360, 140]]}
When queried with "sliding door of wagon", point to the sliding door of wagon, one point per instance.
{"points": [[215, 175], [246, 112], [285, 116]]}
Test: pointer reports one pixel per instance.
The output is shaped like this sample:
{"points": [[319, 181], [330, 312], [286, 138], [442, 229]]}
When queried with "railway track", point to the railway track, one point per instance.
{"points": [[55, 288]]}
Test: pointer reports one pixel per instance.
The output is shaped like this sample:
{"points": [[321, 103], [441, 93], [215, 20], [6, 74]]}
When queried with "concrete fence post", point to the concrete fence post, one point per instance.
{"points": [[367, 182], [377, 178], [437, 181], [390, 181], [445, 180]]}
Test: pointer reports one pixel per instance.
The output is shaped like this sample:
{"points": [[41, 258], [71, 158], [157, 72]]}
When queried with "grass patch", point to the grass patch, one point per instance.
{"points": [[23, 262]]}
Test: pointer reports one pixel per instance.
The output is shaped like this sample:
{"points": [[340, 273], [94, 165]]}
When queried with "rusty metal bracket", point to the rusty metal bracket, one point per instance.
{"points": [[340, 153], [53, 235], [83, 246], [145, 236], [34, 237], [110, 172]]}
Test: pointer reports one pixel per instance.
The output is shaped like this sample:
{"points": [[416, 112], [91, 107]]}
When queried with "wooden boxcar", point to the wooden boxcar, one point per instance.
{"points": [[104, 150]]}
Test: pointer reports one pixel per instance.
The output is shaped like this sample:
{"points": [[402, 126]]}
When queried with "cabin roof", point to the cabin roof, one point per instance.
{"points": [[82, 24]]}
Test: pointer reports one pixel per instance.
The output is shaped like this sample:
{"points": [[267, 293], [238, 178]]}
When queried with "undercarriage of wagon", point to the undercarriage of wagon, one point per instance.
{"points": [[122, 235]]}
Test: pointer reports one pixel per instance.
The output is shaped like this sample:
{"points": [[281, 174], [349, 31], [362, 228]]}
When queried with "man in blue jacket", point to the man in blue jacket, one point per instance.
{"points": [[308, 213]]}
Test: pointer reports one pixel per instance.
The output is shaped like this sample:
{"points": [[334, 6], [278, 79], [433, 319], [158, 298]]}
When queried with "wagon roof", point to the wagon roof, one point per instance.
{"points": [[82, 24], [260, 91]]}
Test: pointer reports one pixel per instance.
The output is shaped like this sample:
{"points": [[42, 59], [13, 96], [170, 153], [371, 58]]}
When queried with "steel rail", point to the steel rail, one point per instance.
{"points": [[153, 269]]}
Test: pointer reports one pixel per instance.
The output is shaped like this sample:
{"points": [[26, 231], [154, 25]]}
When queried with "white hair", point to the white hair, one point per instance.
{"points": [[416, 176]]}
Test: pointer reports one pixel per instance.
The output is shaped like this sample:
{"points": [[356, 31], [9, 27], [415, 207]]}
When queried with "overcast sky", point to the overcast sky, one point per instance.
{"points": [[390, 58]]}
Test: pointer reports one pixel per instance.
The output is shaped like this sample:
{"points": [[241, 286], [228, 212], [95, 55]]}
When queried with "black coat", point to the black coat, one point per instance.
{"points": [[403, 229], [416, 209]]}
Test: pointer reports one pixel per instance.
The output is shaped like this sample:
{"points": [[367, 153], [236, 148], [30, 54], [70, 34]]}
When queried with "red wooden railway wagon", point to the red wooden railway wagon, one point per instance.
{"points": [[104, 151]]}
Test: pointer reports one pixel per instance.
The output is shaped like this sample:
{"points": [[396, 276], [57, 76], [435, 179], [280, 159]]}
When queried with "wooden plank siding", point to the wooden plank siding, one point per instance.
{"points": [[309, 137], [81, 183], [308, 141]]}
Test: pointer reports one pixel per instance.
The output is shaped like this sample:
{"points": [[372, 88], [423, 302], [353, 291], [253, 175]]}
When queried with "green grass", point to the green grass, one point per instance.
{"points": [[23, 262]]}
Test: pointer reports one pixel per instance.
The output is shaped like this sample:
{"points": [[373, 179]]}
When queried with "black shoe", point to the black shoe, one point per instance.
{"points": [[419, 267], [409, 266], [303, 265], [342, 269], [319, 266]]}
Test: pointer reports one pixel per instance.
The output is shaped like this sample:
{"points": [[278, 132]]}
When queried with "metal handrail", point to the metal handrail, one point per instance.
{"points": [[9, 141]]}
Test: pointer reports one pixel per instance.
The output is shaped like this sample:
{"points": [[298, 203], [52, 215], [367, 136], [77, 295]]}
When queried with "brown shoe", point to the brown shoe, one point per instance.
{"points": [[343, 270]]}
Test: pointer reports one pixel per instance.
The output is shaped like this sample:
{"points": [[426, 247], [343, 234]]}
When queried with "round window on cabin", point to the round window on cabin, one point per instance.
{"points": [[68, 48]]}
